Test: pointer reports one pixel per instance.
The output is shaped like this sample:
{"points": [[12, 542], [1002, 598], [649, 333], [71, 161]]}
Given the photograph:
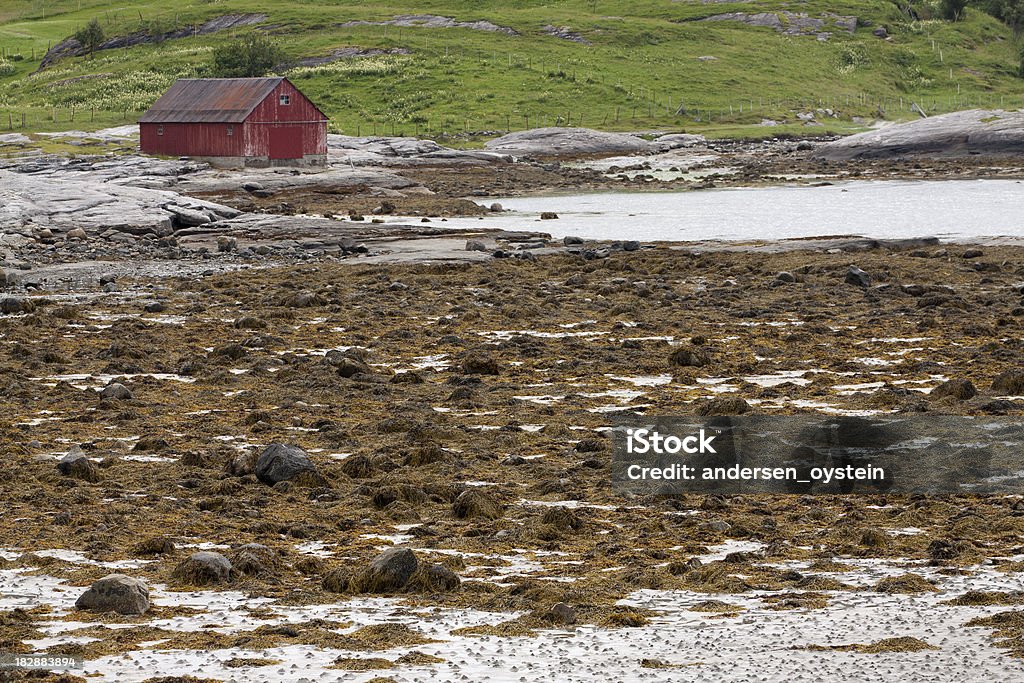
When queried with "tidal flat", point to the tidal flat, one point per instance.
{"points": [[460, 411]]}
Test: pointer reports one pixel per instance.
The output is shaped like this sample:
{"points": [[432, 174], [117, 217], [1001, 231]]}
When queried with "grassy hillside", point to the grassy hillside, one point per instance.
{"points": [[642, 60]]}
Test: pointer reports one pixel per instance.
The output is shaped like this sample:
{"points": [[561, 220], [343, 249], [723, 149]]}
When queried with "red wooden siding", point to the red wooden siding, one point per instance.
{"points": [[192, 139]]}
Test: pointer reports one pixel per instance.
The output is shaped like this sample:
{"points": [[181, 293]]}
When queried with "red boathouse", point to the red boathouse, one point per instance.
{"points": [[236, 122]]}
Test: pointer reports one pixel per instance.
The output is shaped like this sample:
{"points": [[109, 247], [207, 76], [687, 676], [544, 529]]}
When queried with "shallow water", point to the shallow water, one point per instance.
{"points": [[956, 210]]}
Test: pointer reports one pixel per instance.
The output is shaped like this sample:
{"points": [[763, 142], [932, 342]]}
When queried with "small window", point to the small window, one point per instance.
{"points": [[159, 130], [231, 130], [285, 99]]}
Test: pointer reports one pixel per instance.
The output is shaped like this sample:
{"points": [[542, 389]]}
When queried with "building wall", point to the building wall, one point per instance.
{"points": [[295, 130], [192, 139]]}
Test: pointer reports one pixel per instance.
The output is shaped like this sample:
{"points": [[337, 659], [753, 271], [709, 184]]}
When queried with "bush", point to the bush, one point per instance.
{"points": [[90, 36], [253, 55], [6, 68], [1010, 12], [952, 10]]}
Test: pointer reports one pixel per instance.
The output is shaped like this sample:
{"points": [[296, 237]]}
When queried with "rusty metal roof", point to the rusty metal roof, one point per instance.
{"points": [[210, 100]]}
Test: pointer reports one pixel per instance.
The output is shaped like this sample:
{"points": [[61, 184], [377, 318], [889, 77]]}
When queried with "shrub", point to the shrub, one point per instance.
{"points": [[90, 36], [6, 68], [253, 55], [952, 10]]}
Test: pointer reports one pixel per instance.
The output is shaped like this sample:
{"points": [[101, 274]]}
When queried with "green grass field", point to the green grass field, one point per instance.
{"points": [[646, 59]]}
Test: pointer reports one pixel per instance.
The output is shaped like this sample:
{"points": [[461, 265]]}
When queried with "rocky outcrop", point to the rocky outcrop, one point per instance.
{"points": [[568, 142], [975, 132], [793, 23], [29, 201], [403, 152], [70, 47], [565, 33], [346, 53], [435, 21]]}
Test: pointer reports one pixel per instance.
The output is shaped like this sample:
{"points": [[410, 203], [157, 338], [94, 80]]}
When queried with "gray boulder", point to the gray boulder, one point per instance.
{"points": [[115, 593], [11, 305], [959, 134], [959, 389], [282, 462], [857, 277], [116, 392], [389, 572], [568, 142]]}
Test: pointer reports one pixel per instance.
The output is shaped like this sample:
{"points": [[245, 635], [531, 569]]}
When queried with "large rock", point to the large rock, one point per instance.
{"points": [[115, 593], [568, 142], [203, 568], [282, 462], [389, 572], [975, 132]]}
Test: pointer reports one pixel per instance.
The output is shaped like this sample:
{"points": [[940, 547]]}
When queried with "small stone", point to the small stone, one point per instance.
{"points": [[960, 389], [857, 277], [688, 357], [548, 216], [563, 614], [116, 392], [478, 364], [226, 244], [76, 234], [572, 240], [496, 207], [78, 466], [282, 462], [725, 405], [475, 245], [1009, 383]]}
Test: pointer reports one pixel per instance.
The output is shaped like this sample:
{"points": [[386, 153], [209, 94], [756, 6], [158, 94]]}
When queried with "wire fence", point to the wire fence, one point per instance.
{"points": [[654, 112]]}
